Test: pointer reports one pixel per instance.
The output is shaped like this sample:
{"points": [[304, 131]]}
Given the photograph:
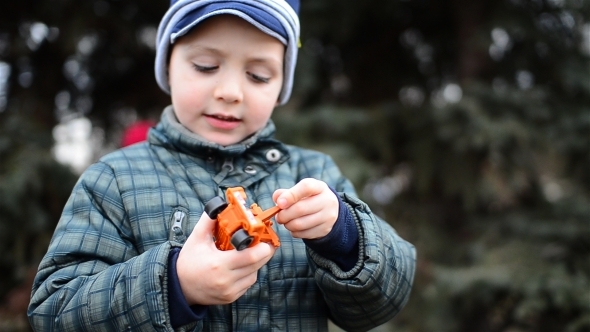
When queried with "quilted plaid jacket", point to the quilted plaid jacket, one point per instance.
{"points": [[106, 266]]}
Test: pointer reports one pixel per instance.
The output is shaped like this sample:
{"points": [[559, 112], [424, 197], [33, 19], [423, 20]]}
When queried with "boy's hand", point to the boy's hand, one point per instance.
{"points": [[309, 209], [210, 276]]}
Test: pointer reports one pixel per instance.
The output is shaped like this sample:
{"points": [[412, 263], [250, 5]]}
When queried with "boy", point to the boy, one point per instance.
{"points": [[133, 249]]}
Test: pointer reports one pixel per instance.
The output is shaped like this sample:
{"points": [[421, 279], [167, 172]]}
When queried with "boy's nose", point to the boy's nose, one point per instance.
{"points": [[229, 88]]}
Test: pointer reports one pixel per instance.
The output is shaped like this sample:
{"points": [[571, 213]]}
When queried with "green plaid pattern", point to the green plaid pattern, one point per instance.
{"points": [[106, 266]]}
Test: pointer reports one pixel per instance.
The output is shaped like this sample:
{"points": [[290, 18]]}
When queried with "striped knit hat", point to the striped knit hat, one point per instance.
{"points": [[277, 18]]}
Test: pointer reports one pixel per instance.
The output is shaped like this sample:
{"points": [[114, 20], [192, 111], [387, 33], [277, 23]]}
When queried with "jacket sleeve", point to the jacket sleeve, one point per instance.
{"points": [[92, 277], [378, 287]]}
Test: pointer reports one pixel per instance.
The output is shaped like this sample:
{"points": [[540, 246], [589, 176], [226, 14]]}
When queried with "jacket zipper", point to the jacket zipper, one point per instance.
{"points": [[177, 231]]}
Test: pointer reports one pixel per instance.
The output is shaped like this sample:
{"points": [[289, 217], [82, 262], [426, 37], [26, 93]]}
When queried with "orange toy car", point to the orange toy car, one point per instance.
{"points": [[237, 226]]}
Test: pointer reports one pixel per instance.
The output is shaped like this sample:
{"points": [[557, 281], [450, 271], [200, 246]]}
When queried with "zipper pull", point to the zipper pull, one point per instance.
{"points": [[177, 232]]}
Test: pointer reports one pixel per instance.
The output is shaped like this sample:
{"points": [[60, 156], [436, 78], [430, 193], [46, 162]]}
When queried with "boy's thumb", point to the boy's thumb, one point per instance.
{"points": [[276, 194]]}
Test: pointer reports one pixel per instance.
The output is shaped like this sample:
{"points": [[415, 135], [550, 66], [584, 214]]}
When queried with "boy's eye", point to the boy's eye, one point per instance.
{"points": [[205, 69], [258, 78]]}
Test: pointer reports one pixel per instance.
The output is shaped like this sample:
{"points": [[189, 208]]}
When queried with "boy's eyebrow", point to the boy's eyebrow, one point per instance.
{"points": [[215, 51], [265, 60], [204, 48]]}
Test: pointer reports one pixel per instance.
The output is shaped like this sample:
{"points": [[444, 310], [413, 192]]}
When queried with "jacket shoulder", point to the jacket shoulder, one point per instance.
{"points": [[137, 155], [309, 163], [307, 156]]}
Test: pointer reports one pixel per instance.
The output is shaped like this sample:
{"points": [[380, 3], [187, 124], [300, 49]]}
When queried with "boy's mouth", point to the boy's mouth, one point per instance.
{"points": [[222, 117], [223, 122]]}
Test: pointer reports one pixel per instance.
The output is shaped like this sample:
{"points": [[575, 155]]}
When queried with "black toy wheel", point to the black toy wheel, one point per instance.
{"points": [[241, 240], [215, 206]]}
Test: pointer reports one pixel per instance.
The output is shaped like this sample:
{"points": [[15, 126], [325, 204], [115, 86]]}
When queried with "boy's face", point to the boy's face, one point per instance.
{"points": [[225, 79]]}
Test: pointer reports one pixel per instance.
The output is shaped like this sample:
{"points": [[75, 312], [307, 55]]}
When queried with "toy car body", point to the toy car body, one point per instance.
{"points": [[238, 226]]}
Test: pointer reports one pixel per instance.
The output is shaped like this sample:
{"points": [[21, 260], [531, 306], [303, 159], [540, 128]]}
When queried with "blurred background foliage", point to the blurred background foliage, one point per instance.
{"points": [[465, 124]]}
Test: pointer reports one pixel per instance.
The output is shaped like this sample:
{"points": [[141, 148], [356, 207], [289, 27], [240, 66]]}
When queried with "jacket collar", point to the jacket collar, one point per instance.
{"points": [[171, 134]]}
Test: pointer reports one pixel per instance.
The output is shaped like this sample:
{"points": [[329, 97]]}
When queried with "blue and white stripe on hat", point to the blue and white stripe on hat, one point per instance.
{"points": [[277, 18]]}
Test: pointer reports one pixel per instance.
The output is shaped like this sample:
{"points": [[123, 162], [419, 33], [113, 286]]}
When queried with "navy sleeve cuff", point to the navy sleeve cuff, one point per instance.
{"points": [[341, 244], [180, 312]]}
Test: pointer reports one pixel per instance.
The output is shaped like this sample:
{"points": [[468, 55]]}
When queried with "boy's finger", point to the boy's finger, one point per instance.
{"points": [[303, 189], [205, 226], [276, 194], [251, 259]]}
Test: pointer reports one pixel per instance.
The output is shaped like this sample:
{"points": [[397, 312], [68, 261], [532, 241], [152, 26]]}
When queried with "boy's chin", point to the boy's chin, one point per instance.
{"points": [[225, 140]]}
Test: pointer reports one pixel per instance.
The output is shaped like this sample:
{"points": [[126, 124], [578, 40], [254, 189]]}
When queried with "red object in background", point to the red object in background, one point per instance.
{"points": [[136, 132]]}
